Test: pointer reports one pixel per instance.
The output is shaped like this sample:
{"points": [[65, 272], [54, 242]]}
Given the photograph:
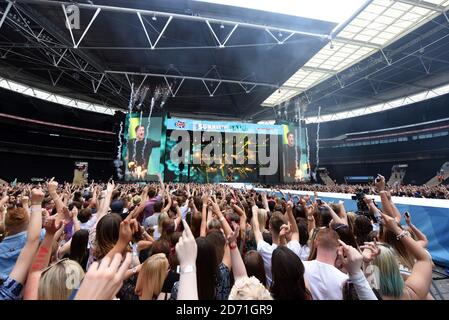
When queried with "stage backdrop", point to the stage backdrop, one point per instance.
{"points": [[143, 147], [202, 173]]}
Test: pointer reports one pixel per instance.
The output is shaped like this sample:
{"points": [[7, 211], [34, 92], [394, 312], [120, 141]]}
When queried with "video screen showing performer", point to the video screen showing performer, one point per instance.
{"points": [[142, 154], [294, 154], [140, 148]]}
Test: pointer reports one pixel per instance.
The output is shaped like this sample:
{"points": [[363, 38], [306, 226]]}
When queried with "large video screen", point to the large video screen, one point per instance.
{"points": [[142, 153], [294, 153], [242, 151]]}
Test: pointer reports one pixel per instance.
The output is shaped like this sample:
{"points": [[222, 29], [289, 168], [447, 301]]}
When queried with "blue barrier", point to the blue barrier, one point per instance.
{"points": [[431, 216]]}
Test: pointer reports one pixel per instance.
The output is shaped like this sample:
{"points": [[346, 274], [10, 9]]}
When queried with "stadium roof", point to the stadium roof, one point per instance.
{"points": [[222, 60]]}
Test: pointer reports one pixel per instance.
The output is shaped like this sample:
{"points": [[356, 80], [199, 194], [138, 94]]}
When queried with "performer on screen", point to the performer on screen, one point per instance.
{"points": [[291, 156], [229, 177], [135, 147]]}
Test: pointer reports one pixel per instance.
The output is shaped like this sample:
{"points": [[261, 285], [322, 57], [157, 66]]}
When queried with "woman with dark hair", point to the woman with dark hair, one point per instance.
{"points": [[288, 276], [206, 266], [362, 228], [254, 266], [345, 234], [223, 281], [107, 234], [78, 248]]}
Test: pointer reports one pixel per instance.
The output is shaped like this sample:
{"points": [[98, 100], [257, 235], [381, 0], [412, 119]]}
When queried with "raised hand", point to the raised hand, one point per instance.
{"points": [[408, 218], [390, 223], [186, 248], [285, 230], [37, 196], [24, 200], [234, 235], [367, 200], [215, 206], [52, 186], [351, 258], [380, 182], [74, 213], [370, 251], [69, 214], [103, 281], [127, 228], [289, 205], [205, 198], [51, 226], [110, 187]]}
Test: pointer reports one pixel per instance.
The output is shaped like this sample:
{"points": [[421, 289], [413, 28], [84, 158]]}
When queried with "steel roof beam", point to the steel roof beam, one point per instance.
{"points": [[423, 4], [176, 16]]}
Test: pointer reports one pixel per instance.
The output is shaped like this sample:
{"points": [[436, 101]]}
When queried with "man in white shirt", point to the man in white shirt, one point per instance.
{"points": [[276, 222], [152, 220], [324, 279]]}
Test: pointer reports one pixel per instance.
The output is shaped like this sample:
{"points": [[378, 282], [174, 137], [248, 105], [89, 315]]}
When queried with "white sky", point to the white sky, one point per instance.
{"points": [[328, 10]]}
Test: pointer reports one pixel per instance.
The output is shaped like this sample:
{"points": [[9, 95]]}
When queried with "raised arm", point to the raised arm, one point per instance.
{"points": [[243, 218], [186, 250], [294, 227], [93, 201], [343, 215], [420, 279], [4, 199], [24, 200], [255, 224], [387, 206], [422, 239], [203, 228], [178, 214], [41, 259], [74, 215], [335, 216], [104, 206], [238, 267], [372, 208], [162, 186], [265, 201], [169, 203], [20, 270], [309, 215], [52, 187], [352, 261], [224, 223], [127, 229]]}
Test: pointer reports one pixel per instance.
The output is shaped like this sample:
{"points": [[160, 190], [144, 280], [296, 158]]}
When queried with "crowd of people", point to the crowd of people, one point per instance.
{"points": [[201, 241], [412, 191]]}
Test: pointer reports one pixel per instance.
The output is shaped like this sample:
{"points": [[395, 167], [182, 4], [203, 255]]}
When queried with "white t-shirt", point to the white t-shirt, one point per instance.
{"points": [[152, 220], [184, 210], [304, 252], [89, 223], [325, 281], [156, 234], [266, 251]]}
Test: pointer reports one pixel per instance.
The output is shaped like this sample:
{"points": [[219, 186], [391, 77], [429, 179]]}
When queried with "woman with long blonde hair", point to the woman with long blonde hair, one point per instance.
{"points": [[152, 276], [390, 282], [58, 281]]}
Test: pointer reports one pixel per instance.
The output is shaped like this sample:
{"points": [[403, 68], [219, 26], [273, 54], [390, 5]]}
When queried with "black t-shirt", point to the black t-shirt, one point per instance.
{"points": [[172, 277], [139, 157], [291, 160]]}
